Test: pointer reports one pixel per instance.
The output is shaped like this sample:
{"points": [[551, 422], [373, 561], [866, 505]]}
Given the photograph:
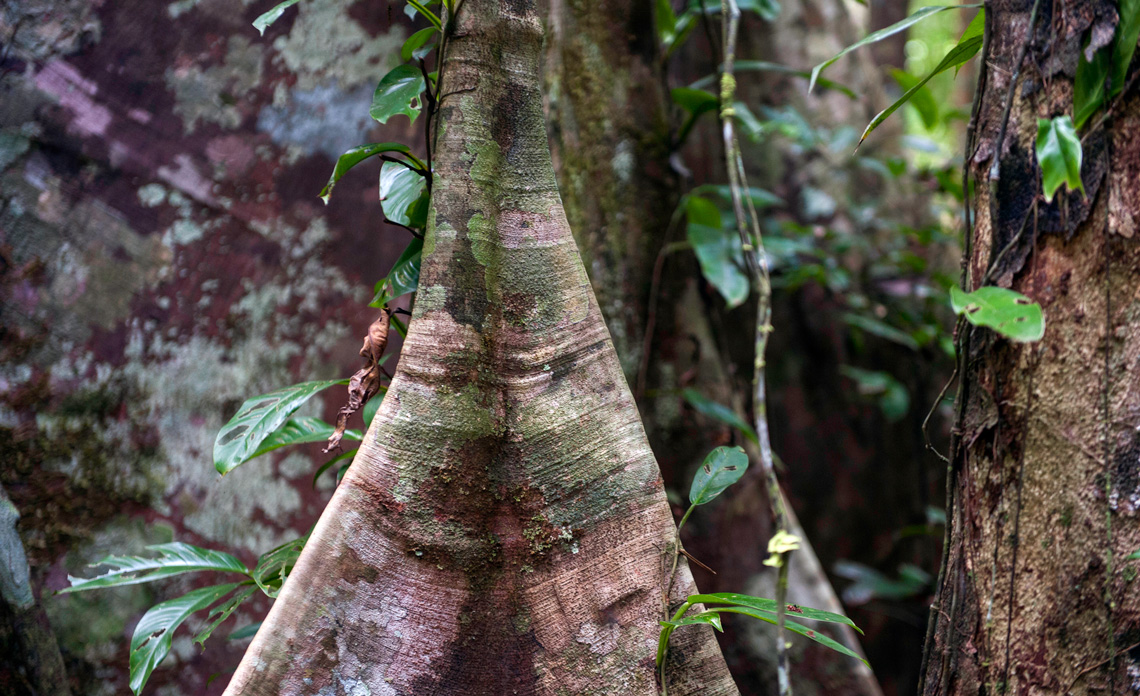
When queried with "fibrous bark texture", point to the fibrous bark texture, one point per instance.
{"points": [[503, 528], [1038, 596]]}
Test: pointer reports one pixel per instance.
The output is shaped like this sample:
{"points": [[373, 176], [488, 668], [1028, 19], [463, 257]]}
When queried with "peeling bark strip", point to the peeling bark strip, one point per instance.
{"points": [[503, 528], [1037, 596]]}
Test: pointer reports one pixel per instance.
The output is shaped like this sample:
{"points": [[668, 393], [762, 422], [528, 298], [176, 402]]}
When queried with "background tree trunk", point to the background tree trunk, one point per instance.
{"points": [[504, 513], [1037, 594]]}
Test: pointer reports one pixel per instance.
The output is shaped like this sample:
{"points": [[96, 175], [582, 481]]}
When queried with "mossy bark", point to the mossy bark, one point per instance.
{"points": [[503, 528], [1037, 595]]}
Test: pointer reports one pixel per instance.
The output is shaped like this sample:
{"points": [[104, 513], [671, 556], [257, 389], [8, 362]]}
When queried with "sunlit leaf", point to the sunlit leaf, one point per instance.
{"points": [[414, 45], [151, 640], [404, 276], [1010, 313], [717, 411], [221, 612], [354, 157], [257, 419], [398, 93], [884, 33], [400, 187], [1059, 155], [722, 467], [262, 23], [173, 559], [762, 604]]}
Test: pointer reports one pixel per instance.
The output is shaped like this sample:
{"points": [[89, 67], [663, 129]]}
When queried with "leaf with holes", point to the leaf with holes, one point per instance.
{"points": [[398, 93], [718, 411], [151, 641], [1010, 313], [722, 467], [221, 612], [400, 187], [173, 559], [258, 418], [1059, 155], [354, 157], [263, 21]]}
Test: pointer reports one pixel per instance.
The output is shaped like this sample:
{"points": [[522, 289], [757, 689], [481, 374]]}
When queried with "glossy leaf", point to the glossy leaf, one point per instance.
{"points": [[297, 431], [354, 157], [151, 640], [258, 418], [262, 22], [969, 44], [1059, 155], [404, 276], [414, 45], [173, 559], [273, 567], [221, 612], [246, 631], [398, 93], [722, 467], [708, 617], [763, 604], [1010, 313], [793, 626], [718, 411], [1127, 35], [400, 187], [884, 33]]}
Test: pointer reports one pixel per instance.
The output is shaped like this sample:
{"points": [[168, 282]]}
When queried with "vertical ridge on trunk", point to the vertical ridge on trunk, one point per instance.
{"points": [[503, 528]]}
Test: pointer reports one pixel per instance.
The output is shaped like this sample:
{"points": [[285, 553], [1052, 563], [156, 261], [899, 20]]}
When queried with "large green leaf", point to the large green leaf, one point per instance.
{"points": [[964, 50], [794, 627], [762, 604], [297, 431], [404, 276], [1127, 34], [718, 411], [1059, 155], [151, 641], [1010, 313], [400, 187], [1088, 85], [414, 46], [222, 612], [884, 33], [722, 467], [239, 440], [398, 93], [354, 157], [174, 559], [262, 22], [273, 567]]}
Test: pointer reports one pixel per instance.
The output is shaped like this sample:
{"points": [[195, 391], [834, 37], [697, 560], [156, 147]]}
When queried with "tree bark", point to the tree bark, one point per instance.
{"points": [[503, 528], [1037, 595]]}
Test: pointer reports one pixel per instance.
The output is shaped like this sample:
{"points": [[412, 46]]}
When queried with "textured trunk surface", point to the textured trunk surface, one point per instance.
{"points": [[503, 528], [1037, 595]]}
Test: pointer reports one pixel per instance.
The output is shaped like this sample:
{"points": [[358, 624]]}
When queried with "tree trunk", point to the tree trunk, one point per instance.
{"points": [[503, 528], [1037, 595]]}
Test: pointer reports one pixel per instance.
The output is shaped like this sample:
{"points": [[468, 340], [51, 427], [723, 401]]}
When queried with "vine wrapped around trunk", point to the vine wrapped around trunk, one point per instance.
{"points": [[503, 528]]}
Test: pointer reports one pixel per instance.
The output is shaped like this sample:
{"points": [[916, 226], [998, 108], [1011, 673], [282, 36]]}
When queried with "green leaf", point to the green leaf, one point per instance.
{"points": [[246, 631], [174, 559], [151, 641], [403, 278], [695, 101], [666, 22], [421, 7], [720, 257], [770, 617], [760, 198], [871, 584], [1127, 34], [891, 394], [222, 612], [1088, 85], [262, 23], [1009, 313], [372, 406], [400, 187], [257, 419], [881, 329], [884, 33], [1132, 556], [414, 46], [763, 604], [964, 50], [768, 10], [765, 66], [922, 99], [720, 412], [722, 467], [340, 457], [396, 94], [354, 157], [710, 618], [273, 567], [297, 431], [1059, 154]]}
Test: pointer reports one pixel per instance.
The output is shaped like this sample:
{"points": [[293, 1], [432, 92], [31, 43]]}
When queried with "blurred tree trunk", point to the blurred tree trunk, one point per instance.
{"points": [[1037, 594], [503, 528]]}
